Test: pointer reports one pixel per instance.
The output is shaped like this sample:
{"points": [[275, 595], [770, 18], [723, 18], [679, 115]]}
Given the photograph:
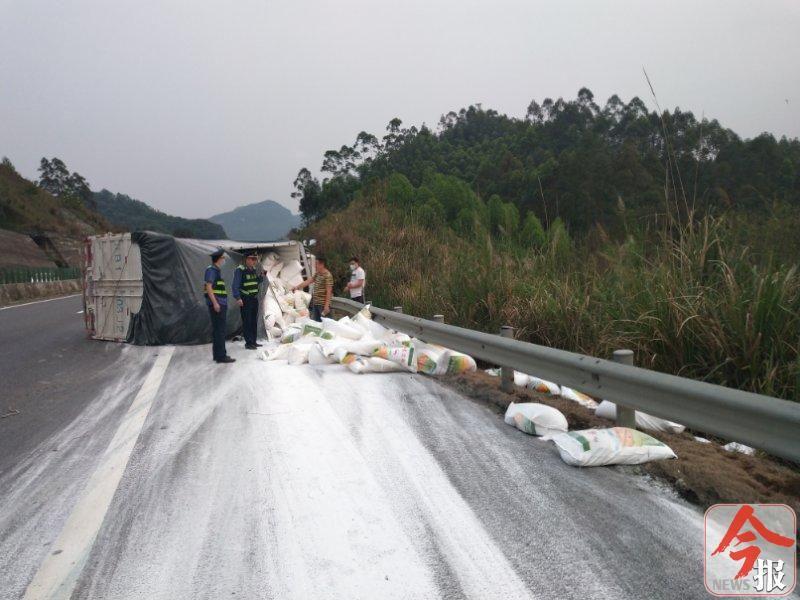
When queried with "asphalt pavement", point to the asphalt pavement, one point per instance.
{"points": [[142, 472]]}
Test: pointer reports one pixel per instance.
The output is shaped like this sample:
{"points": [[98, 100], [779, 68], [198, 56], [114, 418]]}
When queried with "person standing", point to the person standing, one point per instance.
{"points": [[357, 281], [323, 290], [217, 302], [245, 290]]}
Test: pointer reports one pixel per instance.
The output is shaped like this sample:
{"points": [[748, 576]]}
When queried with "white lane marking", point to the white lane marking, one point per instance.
{"points": [[38, 301], [59, 572], [80, 312]]}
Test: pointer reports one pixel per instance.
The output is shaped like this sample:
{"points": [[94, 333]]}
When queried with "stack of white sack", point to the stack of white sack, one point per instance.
{"points": [[608, 410], [363, 346], [282, 307]]}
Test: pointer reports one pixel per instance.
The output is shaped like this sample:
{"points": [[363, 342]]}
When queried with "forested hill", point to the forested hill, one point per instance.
{"points": [[575, 160], [133, 215]]}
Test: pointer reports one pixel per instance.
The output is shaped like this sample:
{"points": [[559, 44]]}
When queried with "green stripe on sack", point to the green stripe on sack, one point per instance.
{"points": [[582, 440]]}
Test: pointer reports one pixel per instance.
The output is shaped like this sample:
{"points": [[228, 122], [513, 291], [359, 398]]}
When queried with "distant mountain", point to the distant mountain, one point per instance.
{"points": [[260, 222], [135, 215]]}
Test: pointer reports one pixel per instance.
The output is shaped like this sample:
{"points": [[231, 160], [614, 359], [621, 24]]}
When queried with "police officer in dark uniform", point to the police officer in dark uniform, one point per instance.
{"points": [[217, 302], [245, 290]]}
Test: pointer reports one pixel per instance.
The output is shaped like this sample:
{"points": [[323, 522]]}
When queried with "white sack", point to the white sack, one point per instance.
{"points": [[362, 347], [741, 448], [542, 386], [402, 355], [277, 353], [273, 315], [535, 384], [578, 397], [342, 328], [317, 355], [459, 362], [290, 269], [298, 354], [614, 446], [290, 335], [536, 419], [275, 270], [269, 260], [520, 379], [431, 359], [608, 410], [374, 365], [342, 356], [395, 338], [301, 299], [297, 315], [374, 329]]}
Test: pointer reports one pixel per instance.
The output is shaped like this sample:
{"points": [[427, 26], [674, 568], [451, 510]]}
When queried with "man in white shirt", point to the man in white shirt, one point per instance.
{"points": [[357, 281]]}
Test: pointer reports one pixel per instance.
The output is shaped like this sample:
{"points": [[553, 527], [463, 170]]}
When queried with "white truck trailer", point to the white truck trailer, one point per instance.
{"points": [[147, 288]]}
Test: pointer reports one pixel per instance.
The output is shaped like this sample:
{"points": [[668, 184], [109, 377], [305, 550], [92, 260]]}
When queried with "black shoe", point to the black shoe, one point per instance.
{"points": [[258, 345], [227, 359], [251, 346]]}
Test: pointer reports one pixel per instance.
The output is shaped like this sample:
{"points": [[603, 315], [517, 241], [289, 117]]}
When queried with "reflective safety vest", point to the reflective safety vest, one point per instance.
{"points": [[219, 283], [249, 281]]}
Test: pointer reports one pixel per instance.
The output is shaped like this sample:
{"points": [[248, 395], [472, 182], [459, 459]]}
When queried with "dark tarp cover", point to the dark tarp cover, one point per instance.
{"points": [[174, 309]]}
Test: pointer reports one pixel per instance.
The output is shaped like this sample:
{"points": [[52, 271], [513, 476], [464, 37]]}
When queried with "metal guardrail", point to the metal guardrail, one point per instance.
{"points": [[770, 424], [37, 274]]}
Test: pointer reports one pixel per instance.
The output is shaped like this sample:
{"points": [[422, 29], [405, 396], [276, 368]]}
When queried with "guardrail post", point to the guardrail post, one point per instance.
{"points": [[626, 417], [507, 373], [438, 318], [398, 309]]}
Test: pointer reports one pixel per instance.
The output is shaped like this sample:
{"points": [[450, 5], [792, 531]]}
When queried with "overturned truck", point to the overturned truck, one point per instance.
{"points": [[147, 288]]}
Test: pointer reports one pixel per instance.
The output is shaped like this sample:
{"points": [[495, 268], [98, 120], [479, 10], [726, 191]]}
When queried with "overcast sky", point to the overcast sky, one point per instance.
{"points": [[196, 107]]}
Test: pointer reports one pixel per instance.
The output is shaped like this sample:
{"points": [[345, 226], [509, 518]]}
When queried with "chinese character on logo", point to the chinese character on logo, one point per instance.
{"points": [[756, 553], [749, 554], [769, 575]]}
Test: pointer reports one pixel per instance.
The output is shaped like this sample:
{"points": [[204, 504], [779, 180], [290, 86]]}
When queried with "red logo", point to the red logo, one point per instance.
{"points": [[750, 550]]}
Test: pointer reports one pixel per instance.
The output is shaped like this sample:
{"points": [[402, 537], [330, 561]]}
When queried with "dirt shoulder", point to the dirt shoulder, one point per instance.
{"points": [[19, 293], [703, 474]]}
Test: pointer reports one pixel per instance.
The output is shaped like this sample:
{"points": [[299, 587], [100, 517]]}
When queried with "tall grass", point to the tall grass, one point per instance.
{"points": [[697, 302]]}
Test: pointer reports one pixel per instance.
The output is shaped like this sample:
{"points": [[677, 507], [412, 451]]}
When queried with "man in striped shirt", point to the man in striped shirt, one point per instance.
{"points": [[323, 290]]}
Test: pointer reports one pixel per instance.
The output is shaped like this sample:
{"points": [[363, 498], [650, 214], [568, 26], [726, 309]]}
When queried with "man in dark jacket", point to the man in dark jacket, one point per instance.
{"points": [[245, 290], [217, 302]]}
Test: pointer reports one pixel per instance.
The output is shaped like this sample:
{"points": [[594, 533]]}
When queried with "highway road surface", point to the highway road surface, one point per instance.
{"points": [[150, 472]]}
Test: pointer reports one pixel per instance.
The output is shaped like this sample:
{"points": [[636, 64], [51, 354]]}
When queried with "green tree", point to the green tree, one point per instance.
{"points": [[467, 223], [78, 188], [558, 240], [510, 220], [573, 159], [308, 194], [532, 234], [8, 164], [431, 214], [422, 195], [496, 211], [399, 190], [54, 176]]}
